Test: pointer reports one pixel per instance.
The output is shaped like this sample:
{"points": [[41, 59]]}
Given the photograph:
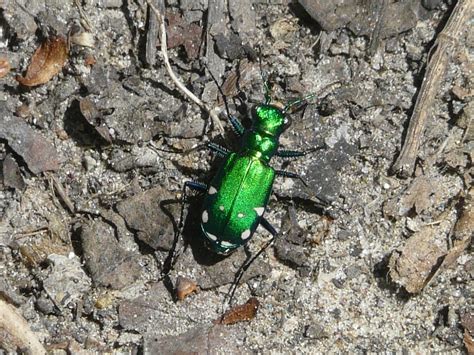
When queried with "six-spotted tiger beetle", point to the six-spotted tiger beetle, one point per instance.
{"points": [[237, 196]]}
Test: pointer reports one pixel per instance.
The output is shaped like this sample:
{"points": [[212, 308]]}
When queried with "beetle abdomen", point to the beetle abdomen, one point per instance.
{"points": [[235, 201]]}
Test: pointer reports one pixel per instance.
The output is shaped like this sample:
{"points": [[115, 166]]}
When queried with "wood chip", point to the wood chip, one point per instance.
{"points": [[94, 117], [39, 154], [435, 70]]}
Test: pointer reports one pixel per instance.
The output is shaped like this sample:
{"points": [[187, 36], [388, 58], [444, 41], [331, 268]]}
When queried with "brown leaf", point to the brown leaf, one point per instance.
{"points": [[414, 265], [184, 287], [240, 313], [4, 67], [47, 61], [468, 343], [183, 33], [239, 79]]}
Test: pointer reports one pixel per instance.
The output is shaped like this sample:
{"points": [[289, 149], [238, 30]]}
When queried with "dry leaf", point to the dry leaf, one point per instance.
{"points": [[4, 67], [468, 343], [180, 32], [239, 79], [417, 262], [47, 61], [467, 321], [240, 313], [94, 117], [184, 287]]}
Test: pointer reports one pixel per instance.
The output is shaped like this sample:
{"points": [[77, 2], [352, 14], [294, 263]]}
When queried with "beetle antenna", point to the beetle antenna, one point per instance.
{"points": [[297, 102], [264, 78], [226, 104]]}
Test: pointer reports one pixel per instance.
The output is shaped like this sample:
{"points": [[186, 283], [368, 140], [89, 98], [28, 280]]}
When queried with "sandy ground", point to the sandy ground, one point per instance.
{"points": [[96, 153]]}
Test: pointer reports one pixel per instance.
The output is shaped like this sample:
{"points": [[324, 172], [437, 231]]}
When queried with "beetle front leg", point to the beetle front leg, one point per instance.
{"points": [[236, 125]]}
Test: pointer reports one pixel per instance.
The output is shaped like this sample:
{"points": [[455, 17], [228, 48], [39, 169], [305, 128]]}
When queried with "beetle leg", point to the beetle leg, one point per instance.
{"points": [[236, 125], [238, 276], [265, 224], [290, 153], [195, 185], [173, 255], [218, 149], [295, 153], [290, 175]]}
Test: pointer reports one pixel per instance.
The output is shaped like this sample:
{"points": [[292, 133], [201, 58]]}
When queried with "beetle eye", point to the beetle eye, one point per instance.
{"points": [[286, 122]]}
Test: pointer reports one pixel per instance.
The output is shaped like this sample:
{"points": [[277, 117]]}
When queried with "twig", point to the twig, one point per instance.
{"points": [[62, 194], [435, 69], [213, 113], [16, 333], [84, 18]]}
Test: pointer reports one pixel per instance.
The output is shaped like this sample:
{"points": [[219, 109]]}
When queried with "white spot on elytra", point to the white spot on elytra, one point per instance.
{"points": [[259, 210], [240, 215], [226, 244], [245, 234], [221, 207], [205, 217], [212, 190], [211, 236]]}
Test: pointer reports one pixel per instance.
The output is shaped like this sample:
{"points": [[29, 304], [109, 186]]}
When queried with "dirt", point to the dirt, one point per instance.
{"points": [[94, 159]]}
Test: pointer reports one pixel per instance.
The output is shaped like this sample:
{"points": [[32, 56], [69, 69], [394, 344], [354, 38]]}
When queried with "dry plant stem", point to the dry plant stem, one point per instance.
{"points": [[16, 333], [84, 18], [213, 113], [435, 69], [62, 193]]}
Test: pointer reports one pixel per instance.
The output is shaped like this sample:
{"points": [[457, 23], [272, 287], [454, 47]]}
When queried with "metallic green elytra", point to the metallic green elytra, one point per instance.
{"points": [[237, 196]]}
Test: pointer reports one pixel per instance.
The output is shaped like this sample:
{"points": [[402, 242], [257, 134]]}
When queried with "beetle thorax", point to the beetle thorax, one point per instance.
{"points": [[260, 145]]}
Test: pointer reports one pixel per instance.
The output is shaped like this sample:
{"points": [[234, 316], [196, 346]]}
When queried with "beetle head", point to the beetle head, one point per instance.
{"points": [[270, 119]]}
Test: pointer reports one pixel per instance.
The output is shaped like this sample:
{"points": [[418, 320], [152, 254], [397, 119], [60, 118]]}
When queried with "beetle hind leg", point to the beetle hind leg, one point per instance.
{"points": [[250, 259], [292, 175], [173, 255]]}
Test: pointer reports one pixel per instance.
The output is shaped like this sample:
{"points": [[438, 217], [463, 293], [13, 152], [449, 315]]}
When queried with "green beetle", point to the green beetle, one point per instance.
{"points": [[237, 196]]}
